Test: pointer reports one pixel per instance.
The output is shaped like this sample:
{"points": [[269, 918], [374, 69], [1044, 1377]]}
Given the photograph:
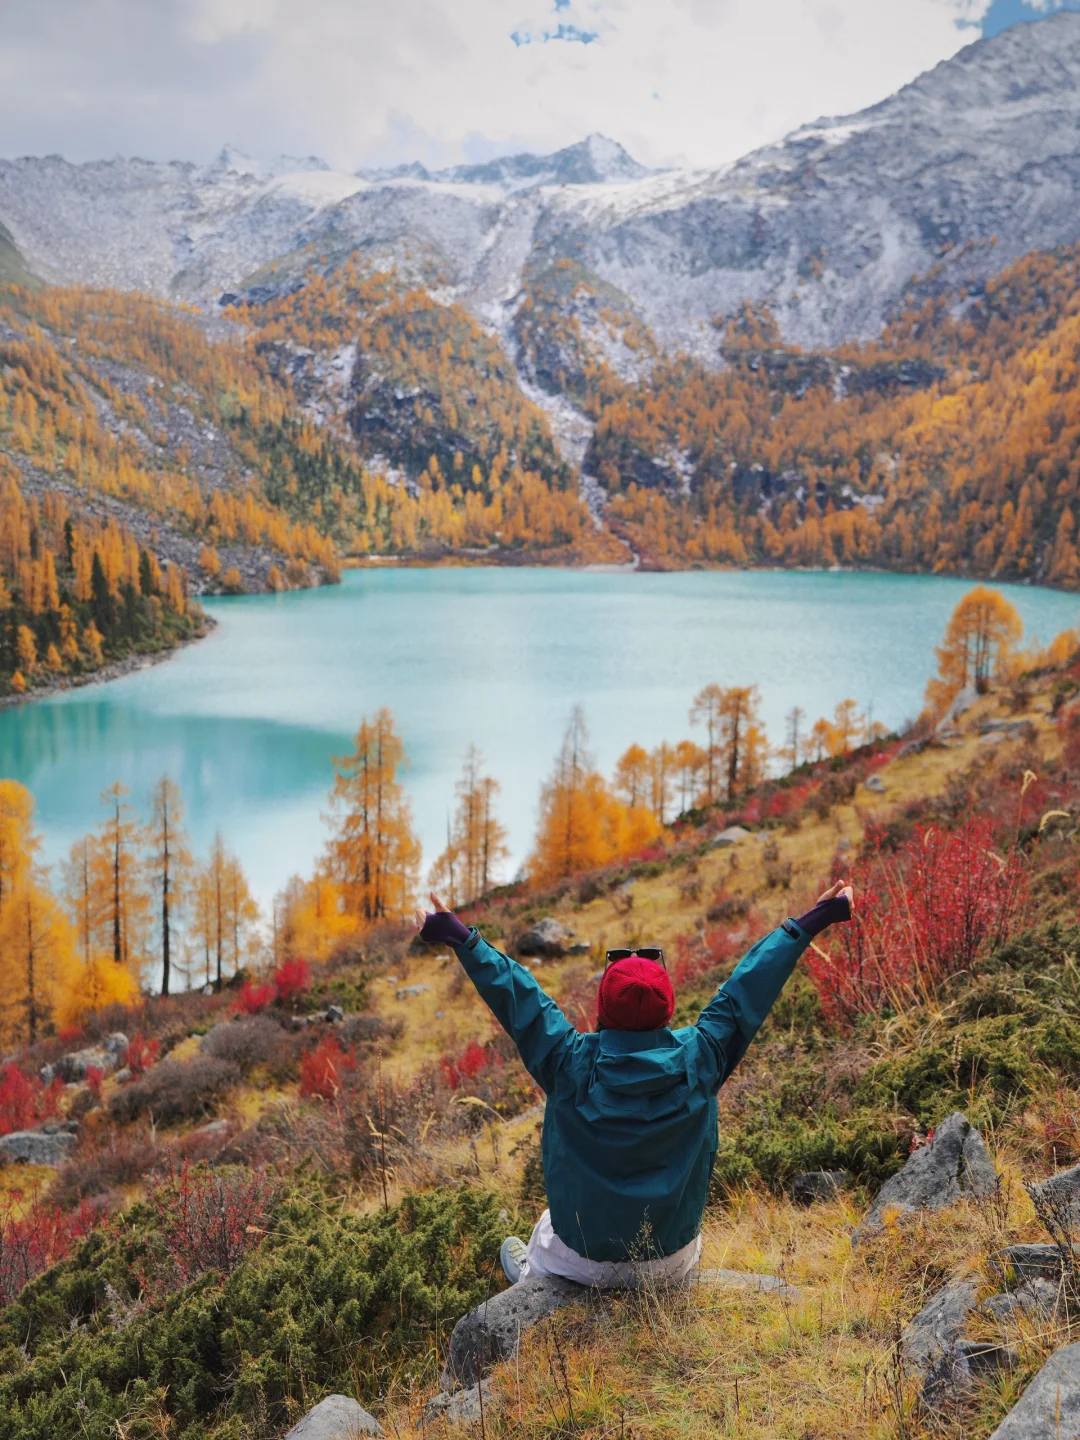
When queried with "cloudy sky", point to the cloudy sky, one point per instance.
{"points": [[381, 81]]}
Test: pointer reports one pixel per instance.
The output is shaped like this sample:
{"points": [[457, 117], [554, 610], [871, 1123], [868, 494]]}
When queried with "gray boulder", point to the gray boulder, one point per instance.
{"points": [[336, 1418], [115, 1044], [1060, 1194], [815, 1185], [462, 1407], [493, 1331], [938, 1357], [1034, 1300], [547, 939], [335, 1013], [1049, 1408], [731, 836], [876, 784], [1033, 1262], [961, 702], [36, 1147], [74, 1066], [955, 1163]]}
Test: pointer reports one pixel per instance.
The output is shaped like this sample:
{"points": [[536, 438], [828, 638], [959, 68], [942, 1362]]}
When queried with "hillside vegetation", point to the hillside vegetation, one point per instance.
{"points": [[268, 1198]]}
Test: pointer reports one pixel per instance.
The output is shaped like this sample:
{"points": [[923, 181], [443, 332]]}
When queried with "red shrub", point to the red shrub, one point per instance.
{"points": [[292, 980], [924, 914], [254, 999], [322, 1070], [95, 1079], [472, 1060], [208, 1221], [24, 1100], [140, 1055], [36, 1239]]}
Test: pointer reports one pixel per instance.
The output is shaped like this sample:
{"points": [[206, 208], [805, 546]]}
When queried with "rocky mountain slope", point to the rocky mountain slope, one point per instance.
{"points": [[970, 166]]}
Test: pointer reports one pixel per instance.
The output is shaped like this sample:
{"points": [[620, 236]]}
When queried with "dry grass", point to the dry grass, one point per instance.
{"points": [[720, 1362]]}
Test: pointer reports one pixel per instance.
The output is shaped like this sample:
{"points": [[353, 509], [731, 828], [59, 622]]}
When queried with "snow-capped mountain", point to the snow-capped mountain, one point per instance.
{"points": [[970, 166]]}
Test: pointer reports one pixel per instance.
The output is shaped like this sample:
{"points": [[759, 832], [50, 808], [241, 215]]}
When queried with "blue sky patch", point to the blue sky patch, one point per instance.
{"points": [[573, 33], [1004, 13]]}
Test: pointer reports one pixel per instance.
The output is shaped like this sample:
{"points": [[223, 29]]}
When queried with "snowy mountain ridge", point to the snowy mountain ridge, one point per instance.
{"points": [[973, 164]]}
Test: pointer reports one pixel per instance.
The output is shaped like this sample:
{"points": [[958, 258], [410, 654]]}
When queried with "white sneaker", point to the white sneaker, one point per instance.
{"points": [[513, 1258]]}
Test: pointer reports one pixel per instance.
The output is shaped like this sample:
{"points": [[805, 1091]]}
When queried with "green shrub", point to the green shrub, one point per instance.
{"points": [[328, 1302]]}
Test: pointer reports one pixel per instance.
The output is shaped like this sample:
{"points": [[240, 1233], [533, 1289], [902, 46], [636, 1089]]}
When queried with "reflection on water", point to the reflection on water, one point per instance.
{"points": [[247, 721]]}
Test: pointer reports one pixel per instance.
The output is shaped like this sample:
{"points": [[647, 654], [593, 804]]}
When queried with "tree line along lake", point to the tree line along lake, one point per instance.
{"points": [[248, 720]]}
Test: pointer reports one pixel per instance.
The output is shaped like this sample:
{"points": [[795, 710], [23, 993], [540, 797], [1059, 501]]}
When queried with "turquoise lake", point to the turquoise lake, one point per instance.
{"points": [[247, 721]]}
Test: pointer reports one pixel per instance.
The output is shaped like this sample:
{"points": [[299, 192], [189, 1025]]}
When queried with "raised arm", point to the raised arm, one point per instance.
{"points": [[531, 1018], [738, 1009]]}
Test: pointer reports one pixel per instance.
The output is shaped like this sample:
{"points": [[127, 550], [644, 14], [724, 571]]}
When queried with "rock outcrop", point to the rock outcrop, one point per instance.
{"points": [[493, 1331], [1049, 1408], [953, 1164], [938, 1356], [548, 939], [49, 1146]]}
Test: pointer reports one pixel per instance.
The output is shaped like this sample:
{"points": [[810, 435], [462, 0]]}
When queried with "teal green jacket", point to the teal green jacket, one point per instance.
{"points": [[630, 1127]]}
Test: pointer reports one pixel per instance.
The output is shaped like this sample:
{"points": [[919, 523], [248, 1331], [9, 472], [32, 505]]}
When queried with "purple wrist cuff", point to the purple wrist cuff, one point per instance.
{"points": [[443, 928], [825, 914]]}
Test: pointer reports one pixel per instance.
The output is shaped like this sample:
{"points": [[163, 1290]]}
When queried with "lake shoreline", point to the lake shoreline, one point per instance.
{"points": [[115, 670]]}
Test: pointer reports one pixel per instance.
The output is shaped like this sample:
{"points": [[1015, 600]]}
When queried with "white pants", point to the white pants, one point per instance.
{"points": [[548, 1255]]}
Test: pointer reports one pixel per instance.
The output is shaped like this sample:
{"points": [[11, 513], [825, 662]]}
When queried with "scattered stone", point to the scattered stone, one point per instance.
{"points": [[35, 1147], [731, 836], [1032, 1262], [409, 992], [936, 1354], [493, 1331], [547, 939], [1035, 1299], [116, 1043], [955, 1163], [122, 1076], [1049, 1408], [462, 1407], [336, 1418], [438, 1014], [815, 1185], [876, 784], [335, 1012], [214, 1127], [391, 979], [579, 947]]}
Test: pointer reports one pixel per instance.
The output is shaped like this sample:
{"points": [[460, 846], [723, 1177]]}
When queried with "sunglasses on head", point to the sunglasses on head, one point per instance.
{"points": [[643, 952]]}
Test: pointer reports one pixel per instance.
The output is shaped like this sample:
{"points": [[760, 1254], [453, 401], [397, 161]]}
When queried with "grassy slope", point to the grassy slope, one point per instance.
{"points": [[711, 1363]]}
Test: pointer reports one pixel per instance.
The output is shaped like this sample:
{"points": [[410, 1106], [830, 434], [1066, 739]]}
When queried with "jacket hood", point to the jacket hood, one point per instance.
{"points": [[642, 1063]]}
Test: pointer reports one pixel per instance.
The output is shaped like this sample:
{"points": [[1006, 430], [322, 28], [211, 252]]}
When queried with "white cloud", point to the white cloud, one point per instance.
{"points": [[363, 81]]}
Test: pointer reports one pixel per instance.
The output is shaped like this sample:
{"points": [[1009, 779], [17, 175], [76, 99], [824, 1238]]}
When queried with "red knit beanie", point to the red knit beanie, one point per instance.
{"points": [[635, 994]]}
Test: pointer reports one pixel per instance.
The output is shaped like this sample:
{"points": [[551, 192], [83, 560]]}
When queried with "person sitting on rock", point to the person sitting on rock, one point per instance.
{"points": [[630, 1125]]}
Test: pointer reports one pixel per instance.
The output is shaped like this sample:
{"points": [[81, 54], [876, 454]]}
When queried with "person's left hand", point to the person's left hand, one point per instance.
{"points": [[839, 887], [420, 915]]}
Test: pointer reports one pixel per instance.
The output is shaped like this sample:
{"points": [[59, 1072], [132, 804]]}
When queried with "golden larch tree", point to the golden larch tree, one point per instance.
{"points": [[476, 840], [170, 868], [373, 856], [982, 631], [118, 877]]}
